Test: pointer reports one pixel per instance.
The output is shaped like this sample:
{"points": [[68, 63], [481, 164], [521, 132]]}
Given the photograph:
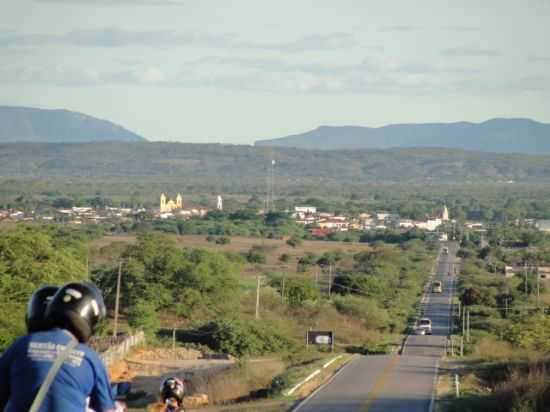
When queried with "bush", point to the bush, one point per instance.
{"points": [[299, 290], [285, 257], [246, 337], [367, 310], [143, 315], [223, 240], [294, 241], [256, 254]]}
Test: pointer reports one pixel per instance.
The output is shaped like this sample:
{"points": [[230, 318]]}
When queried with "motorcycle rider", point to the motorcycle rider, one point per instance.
{"points": [[35, 318], [72, 314], [172, 391]]}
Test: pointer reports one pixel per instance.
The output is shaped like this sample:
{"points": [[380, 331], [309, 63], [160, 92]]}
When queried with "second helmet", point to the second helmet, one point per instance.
{"points": [[35, 318], [77, 307]]}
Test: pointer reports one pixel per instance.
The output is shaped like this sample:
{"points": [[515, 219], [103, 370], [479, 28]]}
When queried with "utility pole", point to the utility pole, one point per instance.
{"points": [[258, 297], [525, 276], [330, 280], [506, 306], [117, 299], [283, 291], [468, 326], [538, 287], [463, 330], [174, 338]]}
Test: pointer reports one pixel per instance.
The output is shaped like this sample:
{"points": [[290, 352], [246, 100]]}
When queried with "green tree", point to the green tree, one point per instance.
{"points": [[28, 260]]}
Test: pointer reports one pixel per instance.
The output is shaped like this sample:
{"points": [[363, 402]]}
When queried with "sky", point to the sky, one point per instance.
{"points": [[235, 71]]}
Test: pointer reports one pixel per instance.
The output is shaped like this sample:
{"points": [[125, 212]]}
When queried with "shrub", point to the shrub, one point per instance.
{"points": [[246, 337], [256, 254], [285, 257], [143, 315], [299, 290], [294, 241], [367, 310]]}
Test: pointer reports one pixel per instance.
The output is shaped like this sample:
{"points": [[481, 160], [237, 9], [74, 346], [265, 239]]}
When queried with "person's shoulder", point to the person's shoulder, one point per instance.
{"points": [[91, 354], [21, 341]]}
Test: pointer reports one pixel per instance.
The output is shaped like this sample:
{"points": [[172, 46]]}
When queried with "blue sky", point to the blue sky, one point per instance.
{"points": [[234, 71]]}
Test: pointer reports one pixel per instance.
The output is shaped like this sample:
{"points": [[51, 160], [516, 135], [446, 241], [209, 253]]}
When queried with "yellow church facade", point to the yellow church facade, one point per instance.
{"points": [[169, 205]]}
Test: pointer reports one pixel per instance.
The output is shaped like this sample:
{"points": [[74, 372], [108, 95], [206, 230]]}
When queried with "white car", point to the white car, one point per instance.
{"points": [[419, 331], [426, 324]]}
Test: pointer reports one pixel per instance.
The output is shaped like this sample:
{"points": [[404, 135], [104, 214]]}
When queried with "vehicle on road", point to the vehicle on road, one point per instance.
{"points": [[437, 286], [426, 324], [419, 331], [445, 250]]}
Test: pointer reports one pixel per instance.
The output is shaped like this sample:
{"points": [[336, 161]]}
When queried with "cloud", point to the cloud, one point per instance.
{"points": [[330, 41], [464, 51], [111, 37], [399, 28], [151, 75], [83, 76], [538, 59], [533, 84], [157, 3], [11, 38], [461, 29]]}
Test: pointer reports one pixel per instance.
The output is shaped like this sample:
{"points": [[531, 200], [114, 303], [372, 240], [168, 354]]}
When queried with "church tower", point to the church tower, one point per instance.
{"points": [[179, 201], [162, 203], [445, 214]]}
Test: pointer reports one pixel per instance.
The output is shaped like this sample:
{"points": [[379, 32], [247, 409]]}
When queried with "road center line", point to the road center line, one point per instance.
{"points": [[380, 383]]}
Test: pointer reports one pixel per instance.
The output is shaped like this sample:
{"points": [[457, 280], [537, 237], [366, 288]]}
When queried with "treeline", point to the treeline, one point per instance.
{"points": [[153, 161]]}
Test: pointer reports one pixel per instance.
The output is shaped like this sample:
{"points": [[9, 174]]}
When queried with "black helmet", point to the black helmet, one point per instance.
{"points": [[35, 318], [77, 307], [172, 388]]}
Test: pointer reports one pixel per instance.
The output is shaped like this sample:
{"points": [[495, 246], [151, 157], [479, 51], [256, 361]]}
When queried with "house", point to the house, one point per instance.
{"points": [[543, 271], [543, 225], [334, 224], [308, 210], [320, 232], [381, 216], [430, 225], [474, 225], [405, 223], [17, 215]]}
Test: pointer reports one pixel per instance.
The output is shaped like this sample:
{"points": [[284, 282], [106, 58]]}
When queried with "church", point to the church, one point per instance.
{"points": [[169, 205]]}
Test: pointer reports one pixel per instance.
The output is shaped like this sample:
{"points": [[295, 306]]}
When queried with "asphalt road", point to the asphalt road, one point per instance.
{"points": [[394, 383]]}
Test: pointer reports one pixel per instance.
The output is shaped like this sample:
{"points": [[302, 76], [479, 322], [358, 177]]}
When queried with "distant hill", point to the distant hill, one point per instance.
{"points": [[244, 165], [496, 135], [24, 124]]}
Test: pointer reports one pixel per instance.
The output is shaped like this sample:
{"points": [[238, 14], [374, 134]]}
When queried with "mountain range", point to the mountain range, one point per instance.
{"points": [[495, 135], [24, 124]]}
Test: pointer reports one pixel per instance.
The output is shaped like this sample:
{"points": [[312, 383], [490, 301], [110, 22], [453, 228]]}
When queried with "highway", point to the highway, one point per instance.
{"points": [[397, 383]]}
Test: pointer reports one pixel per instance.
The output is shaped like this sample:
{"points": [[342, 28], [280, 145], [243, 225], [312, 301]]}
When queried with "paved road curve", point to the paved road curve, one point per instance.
{"points": [[394, 383]]}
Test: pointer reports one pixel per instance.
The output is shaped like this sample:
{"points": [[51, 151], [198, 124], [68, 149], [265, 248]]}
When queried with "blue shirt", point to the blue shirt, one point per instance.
{"points": [[24, 366]]}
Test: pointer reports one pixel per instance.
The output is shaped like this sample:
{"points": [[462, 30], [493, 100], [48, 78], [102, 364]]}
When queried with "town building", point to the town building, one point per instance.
{"points": [[169, 205]]}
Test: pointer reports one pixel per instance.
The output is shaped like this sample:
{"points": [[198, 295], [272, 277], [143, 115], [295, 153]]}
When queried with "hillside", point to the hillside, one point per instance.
{"points": [[23, 124], [496, 135], [232, 163]]}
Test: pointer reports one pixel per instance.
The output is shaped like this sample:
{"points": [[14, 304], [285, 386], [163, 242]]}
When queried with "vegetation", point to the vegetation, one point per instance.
{"points": [[243, 165], [510, 322], [30, 258]]}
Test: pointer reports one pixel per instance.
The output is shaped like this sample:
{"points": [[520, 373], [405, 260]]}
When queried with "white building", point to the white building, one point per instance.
{"points": [[429, 225], [305, 209], [543, 225], [406, 223]]}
